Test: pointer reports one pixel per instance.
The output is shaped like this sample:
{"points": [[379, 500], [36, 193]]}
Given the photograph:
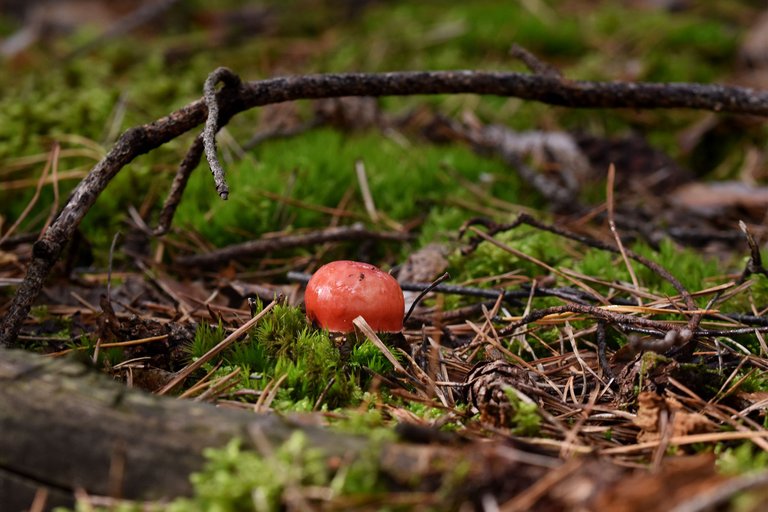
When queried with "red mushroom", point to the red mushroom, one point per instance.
{"points": [[342, 290]]}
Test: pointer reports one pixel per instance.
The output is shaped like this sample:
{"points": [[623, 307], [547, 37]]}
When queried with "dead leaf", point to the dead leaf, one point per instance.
{"points": [[657, 414]]}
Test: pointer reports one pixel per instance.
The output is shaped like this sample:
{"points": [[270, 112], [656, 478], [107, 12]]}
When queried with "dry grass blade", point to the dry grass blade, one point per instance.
{"points": [[365, 190], [222, 345], [369, 333], [52, 158], [55, 182], [220, 385], [714, 437], [612, 224]]}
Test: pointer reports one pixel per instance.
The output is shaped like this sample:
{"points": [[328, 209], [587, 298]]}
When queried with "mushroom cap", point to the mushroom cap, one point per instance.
{"points": [[342, 290]]}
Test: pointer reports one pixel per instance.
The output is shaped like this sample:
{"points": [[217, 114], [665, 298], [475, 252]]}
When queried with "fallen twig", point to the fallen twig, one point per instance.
{"points": [[263, 245]]}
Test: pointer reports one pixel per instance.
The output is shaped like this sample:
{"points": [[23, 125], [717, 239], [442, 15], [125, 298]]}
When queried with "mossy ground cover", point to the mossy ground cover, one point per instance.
{"points": [[84, 102]]}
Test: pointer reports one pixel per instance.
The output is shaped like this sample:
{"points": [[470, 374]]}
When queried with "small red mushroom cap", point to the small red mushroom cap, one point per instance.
{"points": [[342, 290]]}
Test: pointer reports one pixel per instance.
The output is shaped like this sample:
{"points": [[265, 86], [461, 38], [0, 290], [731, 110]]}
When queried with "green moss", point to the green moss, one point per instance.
{"points": [[79, 96], [687, 265], [310, 364], [490, 260], [525, 419], [236, 479], [741, 459], [756, 381], [317, 169], [206, 337]]}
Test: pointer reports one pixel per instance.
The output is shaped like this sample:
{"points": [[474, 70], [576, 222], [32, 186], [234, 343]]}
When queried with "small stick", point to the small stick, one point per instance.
{"points": [[189, 164], [602, 345], [425, 291], [533, 63], [369, 333], [213, 123], [365, 190]]}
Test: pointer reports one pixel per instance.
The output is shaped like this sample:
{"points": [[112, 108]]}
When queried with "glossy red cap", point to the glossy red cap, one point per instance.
{"points": [[342, 290]]}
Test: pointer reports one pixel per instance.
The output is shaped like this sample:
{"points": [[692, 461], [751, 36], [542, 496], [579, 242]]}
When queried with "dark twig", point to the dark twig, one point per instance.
{"points": [[142, 139], [602, 345], [593, 311], [213, 123], [545, 88], [263, 245], [533, 63], [755, 263], [189, 164], [510, 296], [747, 319], [109, 267], [731, 332], [425, 291]]}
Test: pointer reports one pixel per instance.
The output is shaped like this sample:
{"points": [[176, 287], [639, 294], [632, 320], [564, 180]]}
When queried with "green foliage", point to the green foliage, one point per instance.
{"points": [[687, 265], [525, 420], [235, 479], [283, 345], [206, 337], [369, 422], [311, 363], [744, 458], [756, 381], [317, 168], [702, 46], [490, 260], [367, 356]]}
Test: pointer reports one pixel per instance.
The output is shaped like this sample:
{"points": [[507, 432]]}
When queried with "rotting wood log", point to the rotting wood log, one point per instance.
{"points": [[64, 426]]}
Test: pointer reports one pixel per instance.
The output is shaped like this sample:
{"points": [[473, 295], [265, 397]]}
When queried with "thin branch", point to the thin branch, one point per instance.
{"points": [[755, 264], [593, 311], [425, 291], [533, 63], [212, 124], [230, 100], [189, 164]]}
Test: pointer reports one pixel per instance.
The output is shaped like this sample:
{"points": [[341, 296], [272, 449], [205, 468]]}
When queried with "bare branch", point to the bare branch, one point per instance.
{"points": [[214, 122], [189, 164]]}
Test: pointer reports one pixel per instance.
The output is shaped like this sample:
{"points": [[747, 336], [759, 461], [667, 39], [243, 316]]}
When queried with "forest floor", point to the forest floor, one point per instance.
{"points": [[602, 323]]}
